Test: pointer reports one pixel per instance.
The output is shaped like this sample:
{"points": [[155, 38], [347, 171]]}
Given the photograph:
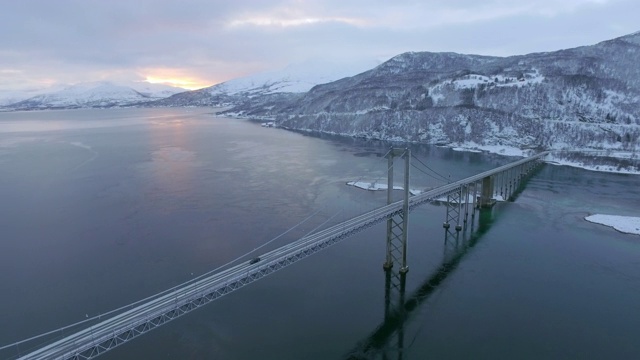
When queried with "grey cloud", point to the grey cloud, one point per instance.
{"points": [[77, 40]]}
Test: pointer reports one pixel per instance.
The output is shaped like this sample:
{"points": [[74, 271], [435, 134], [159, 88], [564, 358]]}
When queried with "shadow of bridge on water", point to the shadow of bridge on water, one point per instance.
{"points": [[387, 340]]}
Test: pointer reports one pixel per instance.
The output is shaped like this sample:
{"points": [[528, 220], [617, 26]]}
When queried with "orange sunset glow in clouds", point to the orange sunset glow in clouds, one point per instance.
{"points": [[185, 83], [188, 83]]}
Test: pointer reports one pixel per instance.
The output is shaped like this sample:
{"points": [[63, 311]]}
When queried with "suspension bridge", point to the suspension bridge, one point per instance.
{"points": [[463, 198]]}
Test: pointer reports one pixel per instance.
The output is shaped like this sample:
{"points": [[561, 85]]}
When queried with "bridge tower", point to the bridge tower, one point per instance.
{"points": [[397, 224]]}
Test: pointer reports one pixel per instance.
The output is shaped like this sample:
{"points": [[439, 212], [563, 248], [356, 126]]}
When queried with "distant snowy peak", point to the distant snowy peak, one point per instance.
{"points": [[96, 94], [109, 89], [295, 78], [291, 81], [10, 97], [154, 90], [7, 98]]}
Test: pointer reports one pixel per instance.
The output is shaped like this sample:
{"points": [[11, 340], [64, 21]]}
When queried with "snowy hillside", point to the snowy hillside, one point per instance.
{"points": [[295, 78], [582, 98], [94, 94], [8, 97]]}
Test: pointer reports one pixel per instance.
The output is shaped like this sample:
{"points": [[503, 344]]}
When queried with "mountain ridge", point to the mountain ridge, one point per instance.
{"points": [[294, 79], [99, 94]]}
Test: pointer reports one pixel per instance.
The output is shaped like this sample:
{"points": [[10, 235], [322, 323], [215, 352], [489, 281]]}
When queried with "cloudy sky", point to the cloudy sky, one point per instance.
{"points": [[196, 43]]}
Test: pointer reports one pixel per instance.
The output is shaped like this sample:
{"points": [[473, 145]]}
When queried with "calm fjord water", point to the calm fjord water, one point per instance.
{"points": [[100, 208]]}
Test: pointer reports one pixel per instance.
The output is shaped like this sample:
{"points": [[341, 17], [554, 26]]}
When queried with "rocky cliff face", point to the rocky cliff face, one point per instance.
{"points": [[586, 97]]}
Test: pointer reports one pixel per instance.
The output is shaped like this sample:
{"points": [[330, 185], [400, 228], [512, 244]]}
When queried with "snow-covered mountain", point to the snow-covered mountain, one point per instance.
{"points": [[8, 97], [94, 94], [586, 97], [295, 78]]}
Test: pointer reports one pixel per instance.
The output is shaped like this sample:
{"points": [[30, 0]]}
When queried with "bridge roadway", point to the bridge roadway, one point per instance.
{"points": [[108, 334]]}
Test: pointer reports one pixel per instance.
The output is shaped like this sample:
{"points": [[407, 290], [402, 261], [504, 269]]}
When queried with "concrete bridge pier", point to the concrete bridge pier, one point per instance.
{"points": [[512, 181], [486, 196], [475, 203], [466, 205]]}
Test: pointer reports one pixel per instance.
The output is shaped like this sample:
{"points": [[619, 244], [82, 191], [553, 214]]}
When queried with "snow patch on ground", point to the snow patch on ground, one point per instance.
{"points": [[624, 224], [472, 81], [494, 149], [467, 150], [555, 160]]}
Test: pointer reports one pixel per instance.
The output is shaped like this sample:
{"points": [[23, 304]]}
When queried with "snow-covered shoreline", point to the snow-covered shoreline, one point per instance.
{"points": [[555, 158], [623, 224]]}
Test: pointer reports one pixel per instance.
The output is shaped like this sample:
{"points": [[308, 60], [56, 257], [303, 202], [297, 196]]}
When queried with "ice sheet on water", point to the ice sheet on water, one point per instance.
{"points": [[375, 186], [625, 224]]}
